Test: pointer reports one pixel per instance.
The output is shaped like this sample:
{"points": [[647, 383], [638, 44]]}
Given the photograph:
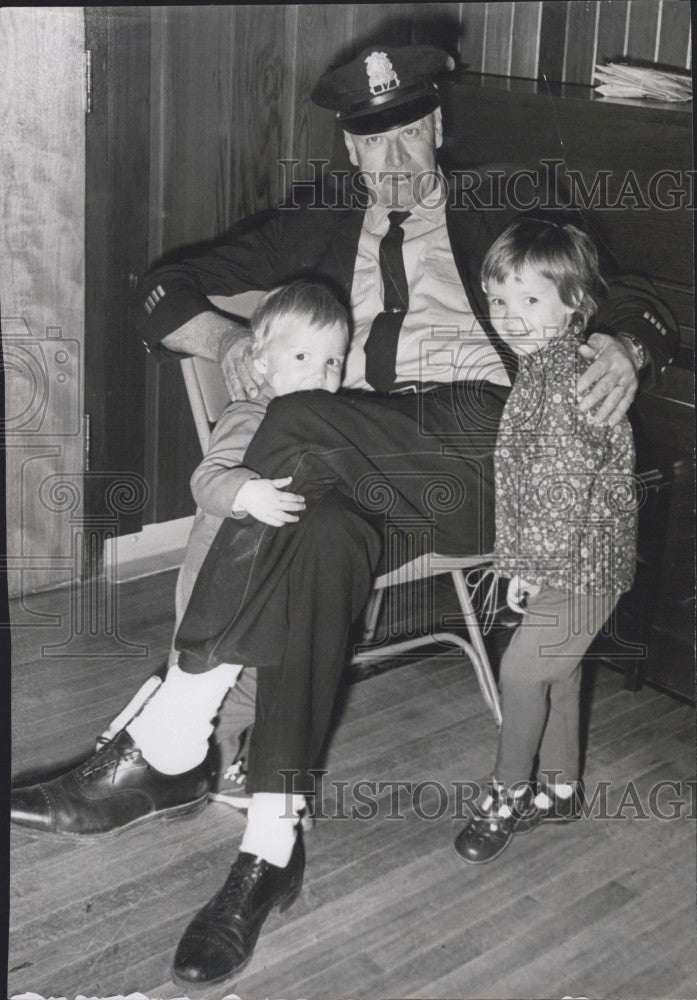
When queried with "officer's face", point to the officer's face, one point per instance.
{"points": [[398, 166]]}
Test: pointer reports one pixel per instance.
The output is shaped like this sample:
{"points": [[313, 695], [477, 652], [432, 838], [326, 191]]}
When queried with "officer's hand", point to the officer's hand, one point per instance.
{"points": [[241, 375], [265, 500], [610, 382]]}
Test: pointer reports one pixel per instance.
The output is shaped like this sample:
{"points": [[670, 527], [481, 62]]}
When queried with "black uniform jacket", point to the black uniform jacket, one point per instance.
{"points": [[300, 240]]}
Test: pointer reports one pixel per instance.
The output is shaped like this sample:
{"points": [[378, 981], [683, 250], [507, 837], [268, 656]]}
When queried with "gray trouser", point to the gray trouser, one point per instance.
{"points": [[540, 682]]}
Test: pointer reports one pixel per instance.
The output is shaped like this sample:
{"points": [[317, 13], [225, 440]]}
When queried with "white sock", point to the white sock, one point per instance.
{"points": [[271, 826], [504, 810], [144, 692], [562, 791], [173, 729]]}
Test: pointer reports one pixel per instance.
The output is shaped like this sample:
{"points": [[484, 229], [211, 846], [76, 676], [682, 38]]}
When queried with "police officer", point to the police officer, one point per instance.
{"points": [[425, 381]]}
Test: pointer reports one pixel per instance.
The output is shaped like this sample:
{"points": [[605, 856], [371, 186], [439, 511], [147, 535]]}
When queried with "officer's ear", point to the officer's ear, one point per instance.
{"points": [[438, 127], [351, 147]]}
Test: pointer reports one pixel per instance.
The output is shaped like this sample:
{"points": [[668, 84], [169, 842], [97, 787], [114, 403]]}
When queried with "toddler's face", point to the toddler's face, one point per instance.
{"points": [[302, 356], [526, 311]]}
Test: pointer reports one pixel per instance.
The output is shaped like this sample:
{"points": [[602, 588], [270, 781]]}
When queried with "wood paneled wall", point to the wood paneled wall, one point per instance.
{"points": [[42, 165], [230, 91], [565, 40]]}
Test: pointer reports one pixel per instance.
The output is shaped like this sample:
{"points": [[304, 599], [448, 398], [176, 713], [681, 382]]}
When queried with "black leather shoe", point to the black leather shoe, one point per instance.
{"points": [[219, 942], [487, 835], [113, 790]]}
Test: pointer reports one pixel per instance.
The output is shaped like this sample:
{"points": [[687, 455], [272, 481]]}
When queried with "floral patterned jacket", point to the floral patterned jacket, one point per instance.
{"points": [[565, 488]]}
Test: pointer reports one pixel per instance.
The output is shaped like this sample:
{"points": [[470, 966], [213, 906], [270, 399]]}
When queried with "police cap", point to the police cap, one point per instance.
{"points": [[384, 87]]}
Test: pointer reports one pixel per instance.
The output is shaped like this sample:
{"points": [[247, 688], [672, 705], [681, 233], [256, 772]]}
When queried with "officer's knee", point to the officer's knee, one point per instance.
{"points": [[298, 406], [284, 409]]}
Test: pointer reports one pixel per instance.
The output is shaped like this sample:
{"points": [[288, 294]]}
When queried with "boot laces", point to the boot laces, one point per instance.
{"points": [[108, 756], [243, 879]]}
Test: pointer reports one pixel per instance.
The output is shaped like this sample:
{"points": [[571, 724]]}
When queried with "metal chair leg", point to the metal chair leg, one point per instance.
{"points": [[475, 649], [481, 660], [372, 613]]}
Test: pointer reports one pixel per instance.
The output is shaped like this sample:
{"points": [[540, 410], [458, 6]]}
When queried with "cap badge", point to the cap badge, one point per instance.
{"points": [[381, 76]]}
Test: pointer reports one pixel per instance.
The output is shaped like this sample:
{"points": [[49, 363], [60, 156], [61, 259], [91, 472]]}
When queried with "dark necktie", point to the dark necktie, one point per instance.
{"points": [[381, 345]]}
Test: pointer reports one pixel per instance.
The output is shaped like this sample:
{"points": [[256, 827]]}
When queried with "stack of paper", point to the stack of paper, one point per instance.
{"points": [[622, 80]]}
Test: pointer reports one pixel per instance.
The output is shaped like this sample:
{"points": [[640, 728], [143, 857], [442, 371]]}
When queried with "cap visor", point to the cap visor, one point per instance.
{"points": [[392, 116]]}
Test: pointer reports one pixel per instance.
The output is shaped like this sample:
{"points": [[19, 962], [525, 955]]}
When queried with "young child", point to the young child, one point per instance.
{"points": [[565, 525], [300, 337]]}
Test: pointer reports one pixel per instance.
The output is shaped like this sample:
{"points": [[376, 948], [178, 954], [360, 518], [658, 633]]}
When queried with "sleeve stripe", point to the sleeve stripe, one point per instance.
{"points": [[155, 296]]}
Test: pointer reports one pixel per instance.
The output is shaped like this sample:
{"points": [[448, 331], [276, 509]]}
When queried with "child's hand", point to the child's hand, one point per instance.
{"points": [[265, 500], [520, 590]]}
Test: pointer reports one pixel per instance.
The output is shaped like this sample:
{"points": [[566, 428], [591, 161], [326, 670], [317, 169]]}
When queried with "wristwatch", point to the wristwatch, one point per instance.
{"points": [[637, 349]]}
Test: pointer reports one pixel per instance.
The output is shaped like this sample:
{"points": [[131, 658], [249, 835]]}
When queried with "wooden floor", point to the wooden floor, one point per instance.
{"points": [[602, 908]]}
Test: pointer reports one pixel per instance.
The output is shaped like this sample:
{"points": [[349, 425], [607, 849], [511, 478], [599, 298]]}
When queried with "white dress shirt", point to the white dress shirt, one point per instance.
{"points": [[440, 339]]}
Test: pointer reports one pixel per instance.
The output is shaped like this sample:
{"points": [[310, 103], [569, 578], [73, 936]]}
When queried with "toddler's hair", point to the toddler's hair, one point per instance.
{"points": [[560, 252], [299, 301]]}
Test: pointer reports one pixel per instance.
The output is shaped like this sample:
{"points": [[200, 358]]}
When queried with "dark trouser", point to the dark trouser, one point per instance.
{"points": [[283, 600]]}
